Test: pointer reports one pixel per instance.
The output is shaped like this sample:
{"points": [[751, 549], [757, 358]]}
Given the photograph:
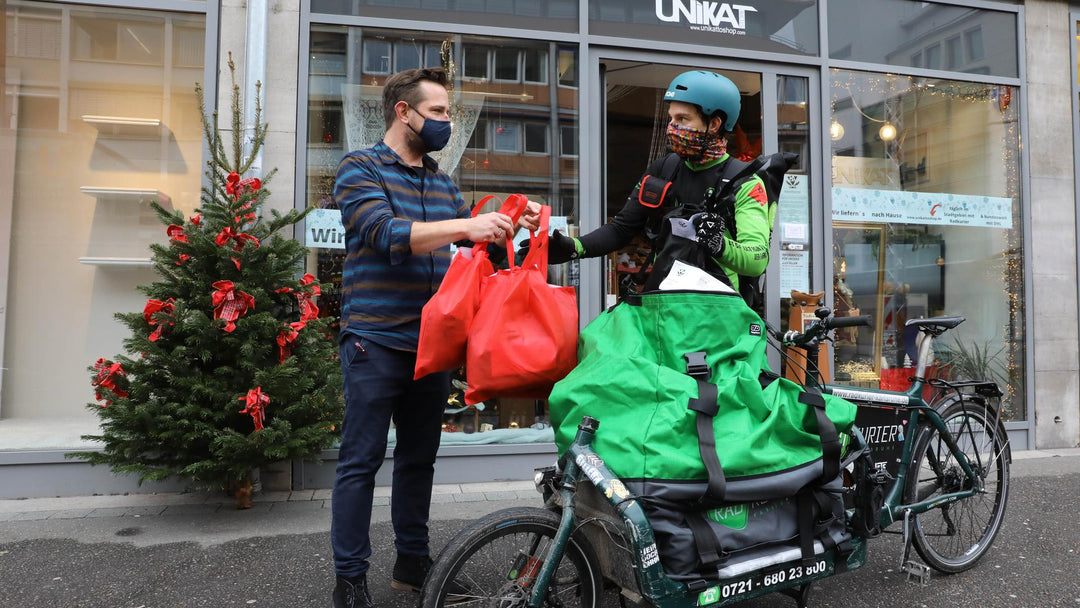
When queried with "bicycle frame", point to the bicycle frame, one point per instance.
{"points": [[581, 463], [911, 401]]}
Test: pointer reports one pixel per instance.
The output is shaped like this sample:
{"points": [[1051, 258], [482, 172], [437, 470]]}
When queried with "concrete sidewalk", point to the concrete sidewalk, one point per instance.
{"points": [[448, 500]]}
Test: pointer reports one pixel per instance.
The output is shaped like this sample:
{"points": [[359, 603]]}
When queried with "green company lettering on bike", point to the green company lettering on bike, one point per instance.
{"points": [[732, 516]]}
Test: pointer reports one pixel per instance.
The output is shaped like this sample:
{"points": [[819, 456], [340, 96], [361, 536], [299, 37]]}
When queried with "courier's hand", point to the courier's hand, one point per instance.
{"points": [[561, 249], [710, 232], [489, 227]]}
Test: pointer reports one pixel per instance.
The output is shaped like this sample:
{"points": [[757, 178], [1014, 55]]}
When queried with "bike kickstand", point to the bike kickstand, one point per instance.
{"points": [[918, 574]]}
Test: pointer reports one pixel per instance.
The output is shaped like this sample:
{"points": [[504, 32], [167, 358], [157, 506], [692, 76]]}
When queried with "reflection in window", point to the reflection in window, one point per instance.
{"points": [[568, 67], [501, 143], [928, 223], [407, 56], [933, 57], [568, 141], [475, 63], [536, 66], [507, 65], [377, 56], [507, 137], [895, 32], [954, 54], [99, 38], [536, 138], [973, 40], [96, 112]]}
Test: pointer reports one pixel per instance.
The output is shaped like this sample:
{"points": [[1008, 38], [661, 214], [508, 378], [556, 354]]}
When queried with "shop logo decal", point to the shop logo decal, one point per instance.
{"points": [[933, 210], [720, 17]]}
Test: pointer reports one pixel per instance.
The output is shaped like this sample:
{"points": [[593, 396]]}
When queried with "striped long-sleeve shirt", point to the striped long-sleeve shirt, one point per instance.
{"points": [[384, 284]]}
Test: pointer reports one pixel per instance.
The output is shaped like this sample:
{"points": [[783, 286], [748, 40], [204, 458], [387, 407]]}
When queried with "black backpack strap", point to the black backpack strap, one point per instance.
{"points": [[830, 439], [706, 407], [708, 545]]}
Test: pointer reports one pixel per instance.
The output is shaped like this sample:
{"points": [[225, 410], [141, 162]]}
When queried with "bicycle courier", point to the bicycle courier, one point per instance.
{"points": [[730, 461]]}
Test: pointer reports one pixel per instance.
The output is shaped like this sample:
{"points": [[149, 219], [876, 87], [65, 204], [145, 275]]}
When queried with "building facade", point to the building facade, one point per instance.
{"points": [[936, 173]]}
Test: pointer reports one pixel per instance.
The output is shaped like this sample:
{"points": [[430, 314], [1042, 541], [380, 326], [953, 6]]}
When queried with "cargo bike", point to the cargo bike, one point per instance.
{"points": [[949, 497]]}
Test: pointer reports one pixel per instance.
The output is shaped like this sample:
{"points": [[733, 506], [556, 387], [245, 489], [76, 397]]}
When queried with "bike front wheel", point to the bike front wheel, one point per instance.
{"points": [[952, 537], [494, 563]]}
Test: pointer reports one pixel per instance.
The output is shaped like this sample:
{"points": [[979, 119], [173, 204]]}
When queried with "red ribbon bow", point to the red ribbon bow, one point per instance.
{"points": [[308, 310], [107, 375], [230, 304], [236, 187], [228, 234], [196, 219], [176, 235], [255, 403], [154, 306], [286, 338]]}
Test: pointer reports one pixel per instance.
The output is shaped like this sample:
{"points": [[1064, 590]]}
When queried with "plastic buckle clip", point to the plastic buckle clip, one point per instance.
{"points": [[696, 366]]}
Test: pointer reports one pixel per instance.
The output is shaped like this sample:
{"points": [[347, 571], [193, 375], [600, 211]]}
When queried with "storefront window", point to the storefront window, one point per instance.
{"points": [[779, 26], [102, 107], [551, 15], [927, 221], [508, 113], [924, 35]]}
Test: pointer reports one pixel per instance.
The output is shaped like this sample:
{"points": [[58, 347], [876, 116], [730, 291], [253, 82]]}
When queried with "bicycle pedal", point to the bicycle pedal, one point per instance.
{"points": [[919, 572]]}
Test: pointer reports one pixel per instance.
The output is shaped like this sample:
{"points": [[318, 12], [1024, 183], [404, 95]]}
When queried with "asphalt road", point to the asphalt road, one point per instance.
{"points": [[283, 559]]}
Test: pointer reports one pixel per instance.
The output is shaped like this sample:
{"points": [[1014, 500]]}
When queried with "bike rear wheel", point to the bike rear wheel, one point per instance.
{"points": [[493, 563], [951, 538]]}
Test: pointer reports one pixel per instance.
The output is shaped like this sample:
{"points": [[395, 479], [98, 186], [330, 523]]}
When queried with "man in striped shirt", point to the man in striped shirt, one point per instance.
{"points": [[400, 215]]}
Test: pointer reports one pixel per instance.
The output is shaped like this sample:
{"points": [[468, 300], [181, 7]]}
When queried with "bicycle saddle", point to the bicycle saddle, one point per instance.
{"points": [[935, 325]]}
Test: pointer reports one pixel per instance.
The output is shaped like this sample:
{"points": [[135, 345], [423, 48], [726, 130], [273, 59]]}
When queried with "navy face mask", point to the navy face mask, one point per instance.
{"points": [[435, 133]]}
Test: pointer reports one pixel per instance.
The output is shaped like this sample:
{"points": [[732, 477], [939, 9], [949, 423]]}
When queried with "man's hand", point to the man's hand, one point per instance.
{"points": [[710, 232], [489, 227], [530, 219]]}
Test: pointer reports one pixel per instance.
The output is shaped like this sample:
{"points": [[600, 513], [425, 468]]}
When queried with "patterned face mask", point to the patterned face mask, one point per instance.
{"points": [[698, 147]]}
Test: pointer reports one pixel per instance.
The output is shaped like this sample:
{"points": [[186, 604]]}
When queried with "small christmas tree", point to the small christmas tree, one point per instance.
{"points": [[229, 366]]}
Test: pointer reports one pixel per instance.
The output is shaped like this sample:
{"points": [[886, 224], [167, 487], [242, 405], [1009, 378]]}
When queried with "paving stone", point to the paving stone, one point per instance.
{"points": [[70, 513], [296, 506], [109, 512], [299, 495], [204, 509], [380, 501], [500, 496], [441, 499], [322, 495], [270, 497], [29, 516], [382, 491], [469, 497], [146, 511]]}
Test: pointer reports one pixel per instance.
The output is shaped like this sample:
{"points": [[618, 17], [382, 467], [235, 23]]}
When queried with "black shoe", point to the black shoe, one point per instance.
{"points": [[352, 593], [410, 572]]}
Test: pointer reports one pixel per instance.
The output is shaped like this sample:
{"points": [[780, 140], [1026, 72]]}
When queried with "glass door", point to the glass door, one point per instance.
{"points": [[776, 115]]}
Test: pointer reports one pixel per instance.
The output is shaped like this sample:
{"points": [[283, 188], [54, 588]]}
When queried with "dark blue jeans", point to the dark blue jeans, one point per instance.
{"points": [[379, 388]]}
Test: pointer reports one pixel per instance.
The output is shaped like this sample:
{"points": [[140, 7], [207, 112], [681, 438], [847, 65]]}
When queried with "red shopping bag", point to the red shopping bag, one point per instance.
{"points": [[445, 319], [524, 337]]}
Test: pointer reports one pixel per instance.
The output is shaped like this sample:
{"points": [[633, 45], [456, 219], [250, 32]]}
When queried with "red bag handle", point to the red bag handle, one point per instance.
{"points": [[514, 206], [538, 243]]}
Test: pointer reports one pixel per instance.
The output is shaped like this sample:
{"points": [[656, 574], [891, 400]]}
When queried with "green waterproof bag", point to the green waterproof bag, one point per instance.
{"points": [[681, 387]]}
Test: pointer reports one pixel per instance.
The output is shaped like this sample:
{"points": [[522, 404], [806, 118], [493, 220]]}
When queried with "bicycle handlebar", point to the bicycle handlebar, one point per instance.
{"points": [[838, 322]]}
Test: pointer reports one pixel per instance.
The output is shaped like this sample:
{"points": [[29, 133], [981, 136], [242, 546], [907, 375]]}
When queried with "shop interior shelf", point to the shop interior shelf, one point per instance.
{"points": [[124, 125], [137, 195], [98, 261]]}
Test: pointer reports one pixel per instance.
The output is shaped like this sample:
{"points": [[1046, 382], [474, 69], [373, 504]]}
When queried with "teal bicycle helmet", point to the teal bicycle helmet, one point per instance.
{"points": [[710, 92]]}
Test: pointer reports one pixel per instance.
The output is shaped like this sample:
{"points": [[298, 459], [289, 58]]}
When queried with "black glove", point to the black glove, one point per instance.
{"points": [[710, 232], [561, 249]]}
